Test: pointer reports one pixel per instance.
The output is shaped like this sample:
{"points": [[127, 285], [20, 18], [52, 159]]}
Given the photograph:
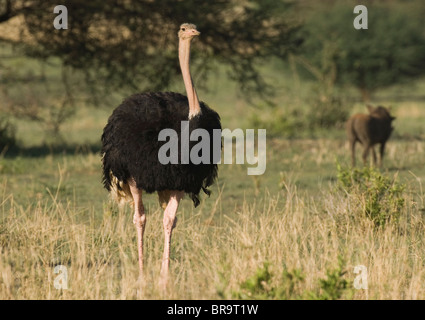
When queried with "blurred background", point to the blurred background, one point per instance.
{"points": [[296, 68]]}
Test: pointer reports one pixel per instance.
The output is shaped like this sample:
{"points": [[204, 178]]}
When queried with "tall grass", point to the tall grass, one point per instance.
{"points": [[212, 257]]}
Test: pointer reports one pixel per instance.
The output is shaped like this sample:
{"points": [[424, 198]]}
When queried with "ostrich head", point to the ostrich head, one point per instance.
{"points": [[188, 31]]}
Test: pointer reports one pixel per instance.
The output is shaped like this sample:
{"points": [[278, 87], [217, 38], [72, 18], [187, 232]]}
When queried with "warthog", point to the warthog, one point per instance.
{"points": [[370, 129]]}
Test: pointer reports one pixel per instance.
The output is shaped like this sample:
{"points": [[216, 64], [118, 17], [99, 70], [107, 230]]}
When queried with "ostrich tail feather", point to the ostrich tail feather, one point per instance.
{"points": [[120, 192]]}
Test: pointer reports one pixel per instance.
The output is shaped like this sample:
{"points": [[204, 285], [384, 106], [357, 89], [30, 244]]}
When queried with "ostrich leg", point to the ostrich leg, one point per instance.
{"points": [[169, 223], [139, 220]]}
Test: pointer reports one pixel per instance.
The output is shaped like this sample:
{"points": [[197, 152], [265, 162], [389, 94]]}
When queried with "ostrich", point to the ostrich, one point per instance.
{"points": [[130, 151]]}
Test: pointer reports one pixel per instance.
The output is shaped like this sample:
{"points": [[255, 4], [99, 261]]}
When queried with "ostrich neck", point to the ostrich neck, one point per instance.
{"points": [[184, 57]]}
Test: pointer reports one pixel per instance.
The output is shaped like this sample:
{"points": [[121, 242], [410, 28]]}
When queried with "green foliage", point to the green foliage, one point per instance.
{"points": [[390, 51], [334, 286], [42, 92], [280, 123], [258, 286], [132, 45], [302, 122], [327, 113], [262, 285], [381, 197]]}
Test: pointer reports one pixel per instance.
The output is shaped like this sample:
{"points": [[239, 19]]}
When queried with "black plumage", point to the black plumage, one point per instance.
{"points": [[130, 144]]}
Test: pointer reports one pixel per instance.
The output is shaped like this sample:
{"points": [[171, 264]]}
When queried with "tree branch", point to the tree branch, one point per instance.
{"points": [[7, 14]]}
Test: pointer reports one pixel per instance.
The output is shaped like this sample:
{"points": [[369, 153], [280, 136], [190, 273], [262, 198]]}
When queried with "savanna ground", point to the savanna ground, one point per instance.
{"points": [[291, 233]]}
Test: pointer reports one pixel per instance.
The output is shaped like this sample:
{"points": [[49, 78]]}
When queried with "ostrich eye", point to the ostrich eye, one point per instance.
{"points": [[183, 29]]}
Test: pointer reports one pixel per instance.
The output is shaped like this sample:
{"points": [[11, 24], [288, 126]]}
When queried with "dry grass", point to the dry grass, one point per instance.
{"points": [[212, 256], [306, 225]]}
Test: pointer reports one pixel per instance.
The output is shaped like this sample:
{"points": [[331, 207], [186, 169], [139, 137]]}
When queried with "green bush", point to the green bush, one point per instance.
{"points": [[368, 59], [334, 286], [264, 286], [258, 286], [381, 196], [327, 114], [280, 123], [303, 120]]}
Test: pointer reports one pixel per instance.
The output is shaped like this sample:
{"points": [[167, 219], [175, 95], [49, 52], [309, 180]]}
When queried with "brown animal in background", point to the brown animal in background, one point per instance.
{"points": [[370, 129]]}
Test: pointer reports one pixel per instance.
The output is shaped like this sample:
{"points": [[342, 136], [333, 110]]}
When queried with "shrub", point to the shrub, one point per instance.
{"points": [[334, 286], [280, 122], [381, 196], [328, 113], [263, 285], [302, 120]]}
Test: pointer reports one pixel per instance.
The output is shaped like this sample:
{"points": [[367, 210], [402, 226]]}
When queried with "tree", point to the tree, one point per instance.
{"points": [[390, 51], [132, 44]]}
